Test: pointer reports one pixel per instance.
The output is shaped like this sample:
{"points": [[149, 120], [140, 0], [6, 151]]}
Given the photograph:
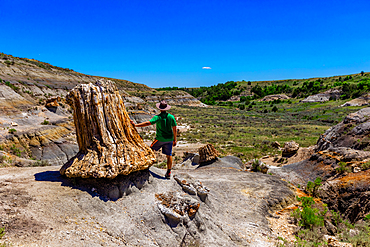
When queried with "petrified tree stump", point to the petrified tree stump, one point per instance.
{"points": [[290, 148], [207, 153], [108, 143]]}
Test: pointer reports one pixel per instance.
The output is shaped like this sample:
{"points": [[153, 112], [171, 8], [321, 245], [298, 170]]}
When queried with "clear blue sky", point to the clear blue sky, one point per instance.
{"points": [[167, 43]]}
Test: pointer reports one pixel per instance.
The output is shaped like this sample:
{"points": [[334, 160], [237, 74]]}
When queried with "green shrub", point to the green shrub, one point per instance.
{"points": [[15, 88], [367, 217], [312, 187], [342, 168], [8, 62], [161, 165], [309, 217], [16, 150], [45, 122], [256, 165], [365, 166], [336, 218], [41, 163], [12, 131]]}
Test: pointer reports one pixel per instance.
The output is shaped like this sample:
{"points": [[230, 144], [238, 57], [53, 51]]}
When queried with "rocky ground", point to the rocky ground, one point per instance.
{"points": [[39, 207]]}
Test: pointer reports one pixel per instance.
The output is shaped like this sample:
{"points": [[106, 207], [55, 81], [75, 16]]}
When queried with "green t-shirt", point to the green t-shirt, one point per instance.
{"points": [[164, 123]]}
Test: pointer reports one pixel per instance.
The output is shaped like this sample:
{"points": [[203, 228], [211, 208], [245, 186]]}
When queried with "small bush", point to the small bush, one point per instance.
{"points": [[12, 131], [309, 217], [45, 122], [313, 187], [365, 166], [15, 88], [161, 165], [16, 150], [256, 165], [2, 232], [41, 163], [8, 62], [342, 168]]}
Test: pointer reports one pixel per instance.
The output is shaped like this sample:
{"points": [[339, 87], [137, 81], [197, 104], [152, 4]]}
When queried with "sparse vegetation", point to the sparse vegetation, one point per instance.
{"points": [[12, 131], [15, 88], [8, 62], [2, 232], [16, 150], [46, 122], [365, 166], [313, 187], [41, 163], [251, 131], [161, 165], [342, 168]]}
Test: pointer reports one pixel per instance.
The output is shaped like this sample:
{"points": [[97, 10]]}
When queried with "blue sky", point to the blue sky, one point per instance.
{"points": [[167, 43]]}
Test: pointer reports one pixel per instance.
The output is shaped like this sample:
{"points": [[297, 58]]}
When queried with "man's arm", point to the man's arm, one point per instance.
{"points": [[174, 130], [143, 124]]}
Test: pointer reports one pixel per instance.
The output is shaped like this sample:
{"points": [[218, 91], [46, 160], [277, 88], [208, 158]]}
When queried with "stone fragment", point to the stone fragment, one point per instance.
{"points": [[330, 227], [108, 143], [207, 153], [275, 97], [275, 144], [191, 186], [176, 207], [356, 169], [290, 148], [34, 142], [333, 242], [52, 102]]}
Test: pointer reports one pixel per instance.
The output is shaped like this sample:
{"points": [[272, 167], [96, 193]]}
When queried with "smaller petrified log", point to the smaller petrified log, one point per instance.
{"points": [[52, 102], [290, 148], [207, 153], [276, 144]]}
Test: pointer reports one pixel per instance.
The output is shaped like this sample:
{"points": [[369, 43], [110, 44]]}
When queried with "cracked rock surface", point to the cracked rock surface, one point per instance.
{"points": [[157, 212]]}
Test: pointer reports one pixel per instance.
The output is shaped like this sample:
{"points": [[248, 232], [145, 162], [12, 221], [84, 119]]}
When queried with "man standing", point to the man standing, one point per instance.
{"points": [[166, 131]]}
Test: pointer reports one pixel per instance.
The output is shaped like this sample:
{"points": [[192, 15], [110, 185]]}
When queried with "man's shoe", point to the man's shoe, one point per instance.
{"points": [[168, 175]]}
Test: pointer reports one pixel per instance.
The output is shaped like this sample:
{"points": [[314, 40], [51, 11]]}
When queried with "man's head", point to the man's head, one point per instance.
{"points": [[163, 106]]}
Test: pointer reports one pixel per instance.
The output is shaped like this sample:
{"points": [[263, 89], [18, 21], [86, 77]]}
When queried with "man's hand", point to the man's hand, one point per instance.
{"points": [[174, 143], [143, 124]]}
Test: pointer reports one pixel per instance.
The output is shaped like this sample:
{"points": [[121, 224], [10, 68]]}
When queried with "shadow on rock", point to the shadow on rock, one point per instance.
{"points": [[106, 189]]}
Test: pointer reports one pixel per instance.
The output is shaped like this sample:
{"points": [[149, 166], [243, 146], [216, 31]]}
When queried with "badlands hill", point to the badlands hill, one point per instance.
{"points": [[36, 124]]}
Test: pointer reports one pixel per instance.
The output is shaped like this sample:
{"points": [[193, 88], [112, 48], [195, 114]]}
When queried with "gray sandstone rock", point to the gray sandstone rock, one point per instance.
{"points": [[227, 161]]}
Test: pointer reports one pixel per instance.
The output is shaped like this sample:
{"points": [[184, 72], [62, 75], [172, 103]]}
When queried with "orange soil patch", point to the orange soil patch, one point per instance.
{"points": [[356, 178]]}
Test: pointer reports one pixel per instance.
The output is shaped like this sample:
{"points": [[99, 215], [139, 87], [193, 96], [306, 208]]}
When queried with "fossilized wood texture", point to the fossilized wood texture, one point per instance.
{"points": [[108, 143], [207, 153]]}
